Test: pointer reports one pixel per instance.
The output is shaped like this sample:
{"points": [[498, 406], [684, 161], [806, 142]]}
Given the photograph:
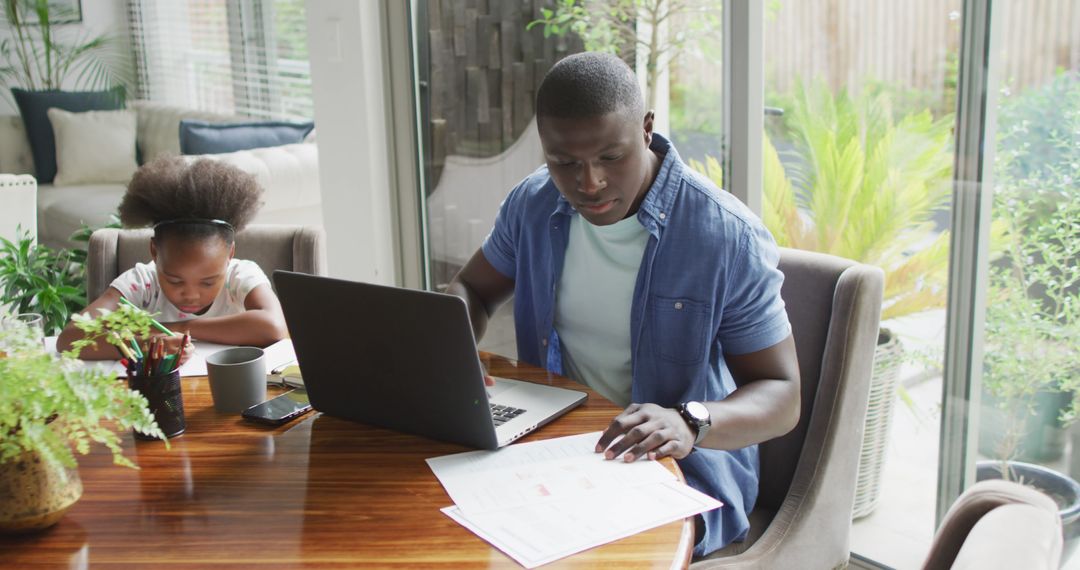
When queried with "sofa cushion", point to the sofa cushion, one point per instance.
{"points": [[62, 210], [159, 127], [201, 137], [33, 106], [94, 146]]}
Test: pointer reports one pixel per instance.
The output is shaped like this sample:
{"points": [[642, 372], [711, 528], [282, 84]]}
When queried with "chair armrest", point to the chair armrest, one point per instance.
{"points": [[969, 532], [101, 262], [1012, 536], [18, 194]]}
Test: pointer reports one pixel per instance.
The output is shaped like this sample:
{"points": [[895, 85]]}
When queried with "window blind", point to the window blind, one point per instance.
{"points": [[245, 57]]}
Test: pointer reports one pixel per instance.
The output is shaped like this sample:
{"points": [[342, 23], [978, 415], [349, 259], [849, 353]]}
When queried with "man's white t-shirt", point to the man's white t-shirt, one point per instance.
{"points": [[592, 304], [140, 286]]}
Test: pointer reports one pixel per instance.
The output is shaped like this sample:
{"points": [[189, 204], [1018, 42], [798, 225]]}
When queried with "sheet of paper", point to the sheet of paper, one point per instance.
{"points": [[545, 500], [277, 354], [538, 471]]}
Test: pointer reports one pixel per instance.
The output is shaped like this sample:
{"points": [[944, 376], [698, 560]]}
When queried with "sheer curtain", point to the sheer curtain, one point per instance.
{"points": [[247, 57]]}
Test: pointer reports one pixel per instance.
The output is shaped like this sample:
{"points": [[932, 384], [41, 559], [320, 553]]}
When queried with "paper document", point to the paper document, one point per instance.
{"points": [[277, 355], [545, 500]]}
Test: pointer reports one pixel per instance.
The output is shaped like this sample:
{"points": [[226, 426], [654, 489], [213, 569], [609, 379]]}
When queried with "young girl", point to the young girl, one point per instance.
{"points": [[193, 284]]}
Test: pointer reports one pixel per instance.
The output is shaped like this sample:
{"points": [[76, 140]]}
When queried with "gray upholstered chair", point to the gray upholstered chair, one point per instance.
{"points": [[803, 513], [295, 248], [998, 524]]}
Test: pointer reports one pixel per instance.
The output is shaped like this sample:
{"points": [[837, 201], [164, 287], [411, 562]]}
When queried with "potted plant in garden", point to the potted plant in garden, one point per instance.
{"points": [[864, 186], [51, 408], [1031, 367]]}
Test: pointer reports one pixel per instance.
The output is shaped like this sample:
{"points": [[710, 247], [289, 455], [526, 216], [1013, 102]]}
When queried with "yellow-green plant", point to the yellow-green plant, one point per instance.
{"points": [[864, 186]]}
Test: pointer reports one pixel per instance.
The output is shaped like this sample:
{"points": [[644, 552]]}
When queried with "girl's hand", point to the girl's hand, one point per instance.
{"points": [[173, 344]]}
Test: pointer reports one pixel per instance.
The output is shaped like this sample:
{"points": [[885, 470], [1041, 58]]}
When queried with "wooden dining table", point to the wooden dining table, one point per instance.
{"points": [[318, 492]]}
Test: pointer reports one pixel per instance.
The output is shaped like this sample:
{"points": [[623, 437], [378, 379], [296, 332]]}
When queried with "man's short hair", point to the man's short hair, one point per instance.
{"points": [[589, 84]]}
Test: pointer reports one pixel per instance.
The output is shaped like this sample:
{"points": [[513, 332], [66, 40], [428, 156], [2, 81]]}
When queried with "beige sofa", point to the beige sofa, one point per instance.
{"points": [[289, 174]]}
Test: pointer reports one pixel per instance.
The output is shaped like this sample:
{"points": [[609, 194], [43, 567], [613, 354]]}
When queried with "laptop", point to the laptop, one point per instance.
{"points": [[406, 360]]}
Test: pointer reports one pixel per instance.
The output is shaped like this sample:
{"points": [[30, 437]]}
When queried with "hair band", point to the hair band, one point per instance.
{"points": [[207, 221]]}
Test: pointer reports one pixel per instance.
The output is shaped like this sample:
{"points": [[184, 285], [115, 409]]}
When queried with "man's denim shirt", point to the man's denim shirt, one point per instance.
{"points": [[708, 285]]}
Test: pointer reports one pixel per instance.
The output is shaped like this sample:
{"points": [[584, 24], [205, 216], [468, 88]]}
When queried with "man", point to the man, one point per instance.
{"points": [[637, 276]]}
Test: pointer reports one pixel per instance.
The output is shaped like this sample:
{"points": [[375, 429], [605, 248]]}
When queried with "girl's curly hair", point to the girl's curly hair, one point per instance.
{"points": [[172, 188]]}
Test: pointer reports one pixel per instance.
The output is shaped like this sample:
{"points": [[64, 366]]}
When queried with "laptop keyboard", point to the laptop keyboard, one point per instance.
{"points": [[503, 414]]}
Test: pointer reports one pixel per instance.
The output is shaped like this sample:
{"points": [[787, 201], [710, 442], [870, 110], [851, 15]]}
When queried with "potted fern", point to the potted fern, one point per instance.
{"points": [[865, 186], [51, 408]]}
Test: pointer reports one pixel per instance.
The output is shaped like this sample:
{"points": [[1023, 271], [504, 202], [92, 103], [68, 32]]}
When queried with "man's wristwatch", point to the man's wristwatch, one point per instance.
{"points": [[697, 416]]}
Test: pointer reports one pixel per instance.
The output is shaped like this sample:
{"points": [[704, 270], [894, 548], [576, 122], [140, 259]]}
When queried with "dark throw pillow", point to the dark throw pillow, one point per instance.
{"points": [[200, 137], [34, 107]]}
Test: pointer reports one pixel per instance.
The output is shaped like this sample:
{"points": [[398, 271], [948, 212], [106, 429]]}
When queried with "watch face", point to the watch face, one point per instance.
{"points": [[698, 411]]}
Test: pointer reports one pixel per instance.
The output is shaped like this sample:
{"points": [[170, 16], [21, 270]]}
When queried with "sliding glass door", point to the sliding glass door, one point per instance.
{"points": [[915, 136], [858, 162]]}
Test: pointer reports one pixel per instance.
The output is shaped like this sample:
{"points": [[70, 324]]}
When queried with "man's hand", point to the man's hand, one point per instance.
{"points": [[647, 429]]}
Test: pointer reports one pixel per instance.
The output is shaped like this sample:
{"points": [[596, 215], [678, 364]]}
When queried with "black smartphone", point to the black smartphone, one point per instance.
{"points": [[279, 409]]}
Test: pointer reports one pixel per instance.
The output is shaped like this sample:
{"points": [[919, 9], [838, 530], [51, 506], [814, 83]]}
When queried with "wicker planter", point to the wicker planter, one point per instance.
{"points": [[887, 358], [35, 494]]}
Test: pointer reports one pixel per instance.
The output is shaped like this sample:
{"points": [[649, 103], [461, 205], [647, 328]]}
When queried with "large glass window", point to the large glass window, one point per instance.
{"points": [[245, 57], [478, 69], [1031, 374], [858, 162]]}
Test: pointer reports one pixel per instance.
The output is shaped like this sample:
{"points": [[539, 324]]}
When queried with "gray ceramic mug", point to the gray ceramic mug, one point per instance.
{"points": [[237, 378]]}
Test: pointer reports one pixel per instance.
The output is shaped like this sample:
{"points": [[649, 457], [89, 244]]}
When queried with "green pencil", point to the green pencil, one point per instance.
{"points": [[153, 321]]}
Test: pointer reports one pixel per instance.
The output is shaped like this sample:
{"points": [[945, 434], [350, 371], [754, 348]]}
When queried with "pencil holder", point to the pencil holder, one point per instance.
{"points": [[165, 399]]}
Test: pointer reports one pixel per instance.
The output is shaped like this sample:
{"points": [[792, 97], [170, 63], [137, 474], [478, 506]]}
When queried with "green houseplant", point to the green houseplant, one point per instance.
{"points": [[38, 56], [51, 408], [864, 185], [39, 279]]}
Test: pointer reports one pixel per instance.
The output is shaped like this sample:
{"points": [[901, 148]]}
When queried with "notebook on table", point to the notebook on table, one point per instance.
{"points": [[406, 360]]}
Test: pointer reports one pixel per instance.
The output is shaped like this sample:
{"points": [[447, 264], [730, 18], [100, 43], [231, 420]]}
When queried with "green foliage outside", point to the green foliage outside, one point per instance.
{"points": [[694, 109], [864, 185], [1033, 302], [615, 26], [37, 56], [59, 406]]}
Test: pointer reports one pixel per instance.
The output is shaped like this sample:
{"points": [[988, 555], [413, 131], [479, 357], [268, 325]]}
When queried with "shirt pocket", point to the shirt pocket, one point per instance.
{"points": [[679, 329]]}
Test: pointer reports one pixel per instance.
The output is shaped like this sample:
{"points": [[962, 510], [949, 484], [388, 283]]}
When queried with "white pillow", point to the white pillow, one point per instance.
{"points": [[93, 147]]}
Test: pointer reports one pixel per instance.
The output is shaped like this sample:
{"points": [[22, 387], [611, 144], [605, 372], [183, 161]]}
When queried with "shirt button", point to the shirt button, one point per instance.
{"points": [[544, 342], [678, 305], [663, 216]]}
